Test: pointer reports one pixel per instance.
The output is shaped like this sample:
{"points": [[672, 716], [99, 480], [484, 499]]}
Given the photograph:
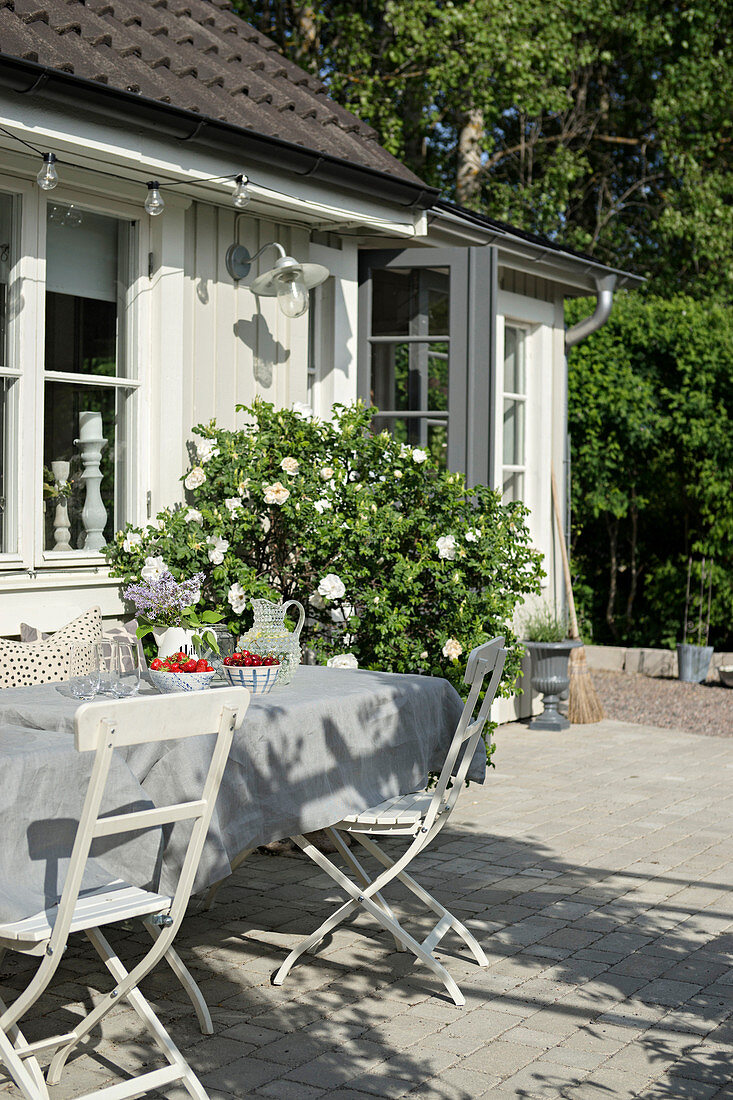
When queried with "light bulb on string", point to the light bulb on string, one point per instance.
{"points": [[48, 177], [241, 196], [154, 203]]}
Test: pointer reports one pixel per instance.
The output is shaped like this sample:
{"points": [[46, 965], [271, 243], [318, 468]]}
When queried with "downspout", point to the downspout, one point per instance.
{"points": [[573, 336]]}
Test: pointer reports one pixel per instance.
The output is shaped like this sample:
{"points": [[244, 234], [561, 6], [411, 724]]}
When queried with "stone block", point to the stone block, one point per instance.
{"points": [[606, 658]]}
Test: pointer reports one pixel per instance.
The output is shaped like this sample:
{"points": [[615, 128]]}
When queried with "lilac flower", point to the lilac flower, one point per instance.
{"points": [[164, 600]]}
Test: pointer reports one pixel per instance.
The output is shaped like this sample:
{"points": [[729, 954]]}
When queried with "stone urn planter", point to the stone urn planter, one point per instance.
{"points": [[693, 662], [551, 677]]}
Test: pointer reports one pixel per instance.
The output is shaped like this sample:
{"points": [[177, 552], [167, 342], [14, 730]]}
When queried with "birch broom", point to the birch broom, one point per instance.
{"points": [[584, 706]]}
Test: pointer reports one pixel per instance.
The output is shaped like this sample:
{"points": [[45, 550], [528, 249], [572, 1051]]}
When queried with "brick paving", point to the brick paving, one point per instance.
{"points": [[596, 868]]}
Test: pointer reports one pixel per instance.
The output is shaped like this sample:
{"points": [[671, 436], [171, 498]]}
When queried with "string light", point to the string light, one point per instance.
{"points": [[241, 196], [48, 177], [154, 203]]}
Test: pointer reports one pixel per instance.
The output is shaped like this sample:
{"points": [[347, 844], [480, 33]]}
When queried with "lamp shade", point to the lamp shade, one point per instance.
{"points": [[266, 286]]}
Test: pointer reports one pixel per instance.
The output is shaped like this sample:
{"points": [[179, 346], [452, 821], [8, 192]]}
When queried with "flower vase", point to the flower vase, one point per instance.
{"points": [[174, 639]]}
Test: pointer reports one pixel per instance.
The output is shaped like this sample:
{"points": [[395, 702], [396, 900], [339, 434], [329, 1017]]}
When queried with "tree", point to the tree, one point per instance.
{"points": [[651, 422], [607, 123]]}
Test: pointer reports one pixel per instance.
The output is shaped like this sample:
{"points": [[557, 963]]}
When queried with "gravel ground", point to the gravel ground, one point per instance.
{"points": [[668, 704]]}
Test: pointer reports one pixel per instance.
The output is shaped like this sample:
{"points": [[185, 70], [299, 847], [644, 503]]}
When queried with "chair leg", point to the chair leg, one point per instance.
{"points": [[188, 982], [18, 1039], [23, 1075], [177, 1063], [387, 922], [427, 899], [361, 876]]}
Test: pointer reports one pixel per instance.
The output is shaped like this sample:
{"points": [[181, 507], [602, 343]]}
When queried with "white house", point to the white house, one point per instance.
{"points": [[451, 323]]}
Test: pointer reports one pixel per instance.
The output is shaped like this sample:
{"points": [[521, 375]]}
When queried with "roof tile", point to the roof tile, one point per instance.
{"points": [[197, 55]]}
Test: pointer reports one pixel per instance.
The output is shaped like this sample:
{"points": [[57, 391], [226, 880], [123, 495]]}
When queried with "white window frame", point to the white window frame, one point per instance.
{"points": [[30, 268], [524, 332]]}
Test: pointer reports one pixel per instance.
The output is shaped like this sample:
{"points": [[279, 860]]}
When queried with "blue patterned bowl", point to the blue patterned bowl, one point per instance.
{"points": [[259, 679], [169, 682]]}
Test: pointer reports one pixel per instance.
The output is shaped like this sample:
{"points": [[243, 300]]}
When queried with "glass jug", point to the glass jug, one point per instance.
{"points": [[270, 637]]}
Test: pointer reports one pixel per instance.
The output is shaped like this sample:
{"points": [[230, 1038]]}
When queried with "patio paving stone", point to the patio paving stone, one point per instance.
{"points": [[597, 871]]}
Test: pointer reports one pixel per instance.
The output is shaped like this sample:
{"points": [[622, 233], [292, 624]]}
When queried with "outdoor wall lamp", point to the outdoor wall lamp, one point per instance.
{"points": [[289, 280]]}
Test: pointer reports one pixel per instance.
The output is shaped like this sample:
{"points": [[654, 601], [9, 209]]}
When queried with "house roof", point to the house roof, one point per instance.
{"points": [[550, 258], [196, 56]]}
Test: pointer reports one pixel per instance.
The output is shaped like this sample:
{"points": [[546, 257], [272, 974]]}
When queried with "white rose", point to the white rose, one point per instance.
{"points": [[131, 541], [206, 449], [317, 601], [276, 493], [452, 649], [321, 505], [243, 488], [234, 504], [303, 410], [424, 655], [473, 536], [446, 545], [196, 478], [153, 569], [342, 614], [342, 660], [290, 466], [193, 516], [237, 598], [332, 587], [327, 473], [218, 549], [419, 455], [398, 474]]}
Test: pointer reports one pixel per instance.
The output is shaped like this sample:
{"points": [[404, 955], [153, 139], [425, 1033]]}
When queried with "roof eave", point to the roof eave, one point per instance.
{"points": [[29, 78]]}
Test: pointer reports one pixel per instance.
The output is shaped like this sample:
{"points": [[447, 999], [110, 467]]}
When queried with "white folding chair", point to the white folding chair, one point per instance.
{"points": [[102, 727], [418, 817]]}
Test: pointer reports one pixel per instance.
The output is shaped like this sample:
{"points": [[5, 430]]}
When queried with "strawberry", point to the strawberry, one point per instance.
{"points": [[189, 666], [203, 666], [174, 668], [156, 664]]}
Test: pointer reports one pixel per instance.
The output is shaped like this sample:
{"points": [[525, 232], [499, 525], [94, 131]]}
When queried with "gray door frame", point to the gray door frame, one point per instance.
{"points": [[472, 332]]}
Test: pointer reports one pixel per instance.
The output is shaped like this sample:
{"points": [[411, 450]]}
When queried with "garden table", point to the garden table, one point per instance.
{"points": [[332, 743]]}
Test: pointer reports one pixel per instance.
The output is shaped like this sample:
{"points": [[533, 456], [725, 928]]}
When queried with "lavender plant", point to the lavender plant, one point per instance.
{"points": [[162, 601]]}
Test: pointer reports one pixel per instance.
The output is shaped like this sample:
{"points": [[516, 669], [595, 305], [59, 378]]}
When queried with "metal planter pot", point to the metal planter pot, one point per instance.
{"points": [[550, 676], [693, 662]]}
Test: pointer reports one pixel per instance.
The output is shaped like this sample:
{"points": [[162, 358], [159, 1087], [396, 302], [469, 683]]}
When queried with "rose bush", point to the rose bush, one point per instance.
{"points": [[395, 560]]}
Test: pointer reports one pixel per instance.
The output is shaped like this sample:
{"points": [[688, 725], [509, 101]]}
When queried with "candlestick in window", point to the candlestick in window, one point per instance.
{"points": [[61, 524], [91, 442]]}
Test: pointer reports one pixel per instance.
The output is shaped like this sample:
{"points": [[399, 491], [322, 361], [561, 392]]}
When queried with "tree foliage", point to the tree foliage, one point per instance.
{"points": [[651, 422], [607, 123], [395, 560]]}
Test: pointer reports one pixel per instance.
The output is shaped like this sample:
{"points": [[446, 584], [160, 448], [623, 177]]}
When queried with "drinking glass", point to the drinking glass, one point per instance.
{"points": [[127, 676], [83, 671], [105, 661]]}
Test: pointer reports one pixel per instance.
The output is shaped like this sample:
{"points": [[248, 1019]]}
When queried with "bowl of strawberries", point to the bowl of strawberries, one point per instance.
{"points": [[250, 670], [180, 672]]}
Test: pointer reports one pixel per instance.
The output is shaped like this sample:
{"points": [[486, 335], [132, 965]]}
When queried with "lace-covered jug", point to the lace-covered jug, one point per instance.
{"points": [[270, 637]]}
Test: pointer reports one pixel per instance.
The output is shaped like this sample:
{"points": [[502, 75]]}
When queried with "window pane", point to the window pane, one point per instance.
{"points": [[9, 310], [410, 376], [513, 487], [66, 460], [514, 356], [410, 302], [513, 432], [87, 278]]}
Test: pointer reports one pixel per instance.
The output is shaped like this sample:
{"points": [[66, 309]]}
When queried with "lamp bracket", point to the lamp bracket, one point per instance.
{"points": [[239, 261]]}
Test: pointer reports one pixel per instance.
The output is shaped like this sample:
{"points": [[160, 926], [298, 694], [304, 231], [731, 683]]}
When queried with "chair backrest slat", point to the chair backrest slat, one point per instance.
{"points": [[147, 819], [182, 714], [486, 659]]}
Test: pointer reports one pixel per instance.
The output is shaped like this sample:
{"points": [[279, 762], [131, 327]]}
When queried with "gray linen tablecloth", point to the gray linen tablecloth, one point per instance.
{"points": [[332, 742]]}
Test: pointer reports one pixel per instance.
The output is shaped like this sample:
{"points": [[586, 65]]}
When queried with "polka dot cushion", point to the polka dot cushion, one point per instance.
{"points": [[125, 633], [25, 663]]}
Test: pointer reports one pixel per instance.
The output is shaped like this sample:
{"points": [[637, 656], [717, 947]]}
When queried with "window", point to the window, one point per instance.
{"points": [[410, 355], [89, 387], [9, 373], [514, 413]]}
